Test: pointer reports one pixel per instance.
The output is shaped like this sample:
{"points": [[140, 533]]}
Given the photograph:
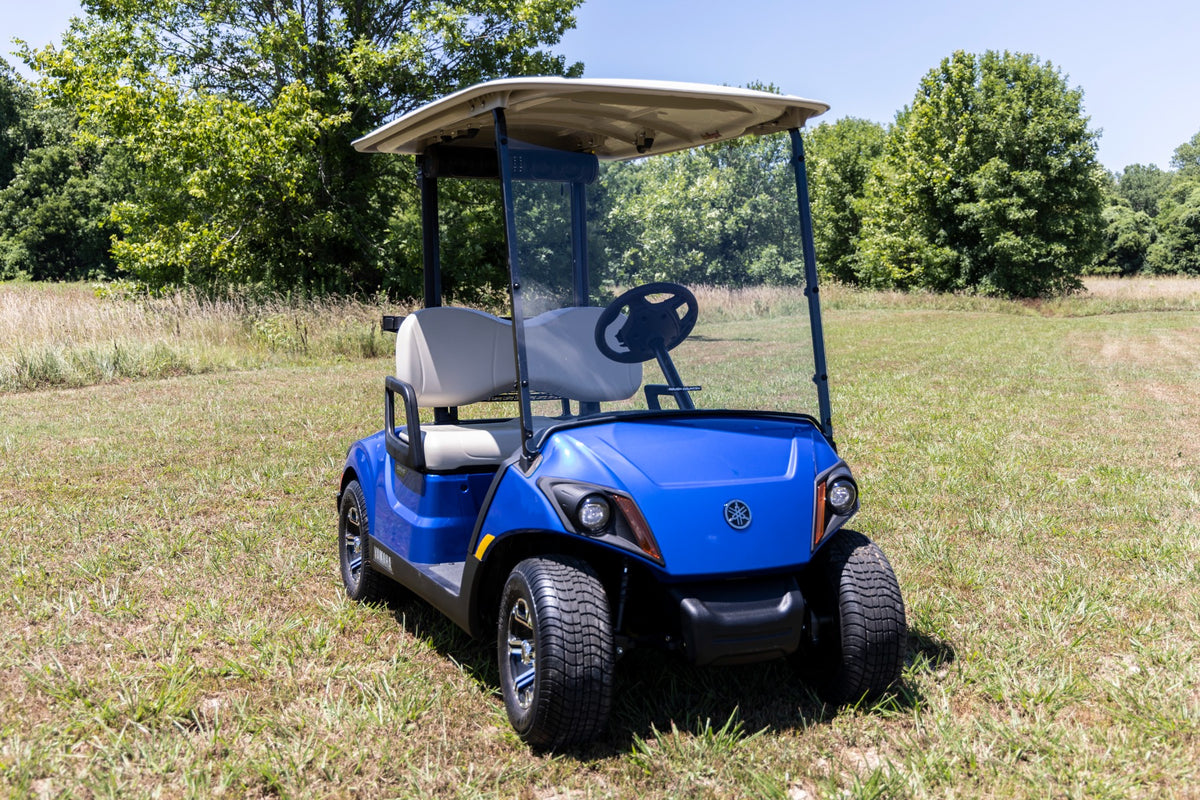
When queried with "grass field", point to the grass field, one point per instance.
{"points": [[172, 621]]}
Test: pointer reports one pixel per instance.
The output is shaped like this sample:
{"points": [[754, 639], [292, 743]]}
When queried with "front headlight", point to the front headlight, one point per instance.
{"points": [[601, 513], [842, 496], [593, 513]]}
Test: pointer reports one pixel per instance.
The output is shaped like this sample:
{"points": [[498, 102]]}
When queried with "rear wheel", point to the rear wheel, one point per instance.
{"points": [[361, 580], [555, 650], [862, 635]]}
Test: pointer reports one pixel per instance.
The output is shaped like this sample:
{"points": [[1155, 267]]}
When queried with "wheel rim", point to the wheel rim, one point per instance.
{"points": [[352, 545], [522, 653]]}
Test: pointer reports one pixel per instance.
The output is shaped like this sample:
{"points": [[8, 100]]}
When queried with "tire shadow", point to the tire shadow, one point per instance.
{"points": [[654, 691]]}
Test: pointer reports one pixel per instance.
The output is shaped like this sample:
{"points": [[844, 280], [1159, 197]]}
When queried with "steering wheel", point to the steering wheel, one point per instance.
{"points": [[648, 326]]}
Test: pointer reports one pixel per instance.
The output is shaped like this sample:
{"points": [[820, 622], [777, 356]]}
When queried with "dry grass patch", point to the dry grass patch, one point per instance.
{"points": [[76, 335], [1152, 287]]}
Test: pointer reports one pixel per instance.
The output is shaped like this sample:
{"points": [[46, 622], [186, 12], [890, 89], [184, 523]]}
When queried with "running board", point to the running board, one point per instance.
{"points": [[438, 584]]}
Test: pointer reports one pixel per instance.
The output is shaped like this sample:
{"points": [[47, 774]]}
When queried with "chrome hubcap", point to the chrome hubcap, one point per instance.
{"points": [[522, 652], [352, 544]]}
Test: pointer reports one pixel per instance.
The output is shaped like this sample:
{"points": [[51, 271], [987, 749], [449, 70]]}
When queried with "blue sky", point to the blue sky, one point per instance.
{"points": [[1137, 63]]}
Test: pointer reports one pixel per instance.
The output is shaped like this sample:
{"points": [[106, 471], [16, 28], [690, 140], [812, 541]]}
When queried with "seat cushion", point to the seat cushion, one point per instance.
{"points": [[466, 445]]}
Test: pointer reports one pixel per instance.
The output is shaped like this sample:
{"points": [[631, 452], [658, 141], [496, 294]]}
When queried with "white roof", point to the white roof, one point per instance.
{"points": [[610, 118]]}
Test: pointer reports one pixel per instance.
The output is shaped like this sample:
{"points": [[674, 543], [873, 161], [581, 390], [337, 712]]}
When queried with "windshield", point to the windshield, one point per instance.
{"points": [[682, 218]]}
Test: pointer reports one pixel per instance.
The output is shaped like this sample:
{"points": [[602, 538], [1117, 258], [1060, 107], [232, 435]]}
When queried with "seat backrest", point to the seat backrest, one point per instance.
{"points": [[564, 359], [454, 356]]}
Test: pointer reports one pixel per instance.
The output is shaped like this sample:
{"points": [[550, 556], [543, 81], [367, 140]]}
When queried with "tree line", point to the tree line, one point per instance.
{"points": [[181, 142]]}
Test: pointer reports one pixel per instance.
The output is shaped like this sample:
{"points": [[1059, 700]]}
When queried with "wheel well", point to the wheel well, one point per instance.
{"points": [[514, 548], [348, 475]]}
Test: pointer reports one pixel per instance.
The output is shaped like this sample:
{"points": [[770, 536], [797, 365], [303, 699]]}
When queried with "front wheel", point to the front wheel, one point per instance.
{"points": [[861, 640], [555, 649], [363, 583]]}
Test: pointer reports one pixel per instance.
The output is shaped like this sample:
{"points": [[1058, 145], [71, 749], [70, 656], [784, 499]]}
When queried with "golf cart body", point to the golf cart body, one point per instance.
{"points": [[645, 519]]}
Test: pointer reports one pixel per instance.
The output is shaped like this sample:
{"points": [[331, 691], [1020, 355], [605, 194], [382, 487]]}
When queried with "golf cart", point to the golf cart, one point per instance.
{"points": [[592, 517]]}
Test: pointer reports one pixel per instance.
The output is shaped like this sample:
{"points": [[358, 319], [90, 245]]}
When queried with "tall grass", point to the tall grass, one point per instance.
{"points": [[78, 335], [1100, 295], [74, 335]]}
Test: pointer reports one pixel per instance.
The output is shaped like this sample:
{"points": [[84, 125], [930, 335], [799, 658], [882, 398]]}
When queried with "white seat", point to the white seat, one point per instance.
{"points": [[477, 444], [456, 356]]}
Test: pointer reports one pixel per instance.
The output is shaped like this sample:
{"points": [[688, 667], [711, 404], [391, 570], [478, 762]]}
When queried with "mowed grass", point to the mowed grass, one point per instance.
{"points": [[173, 622]]}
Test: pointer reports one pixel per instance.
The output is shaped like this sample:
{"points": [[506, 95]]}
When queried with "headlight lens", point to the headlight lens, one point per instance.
{"points": [[842, 496], [593, 513]]}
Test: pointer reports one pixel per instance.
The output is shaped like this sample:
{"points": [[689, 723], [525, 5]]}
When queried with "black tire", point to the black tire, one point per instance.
{"points": [[363, 583], [555, 650], [860, 649]]}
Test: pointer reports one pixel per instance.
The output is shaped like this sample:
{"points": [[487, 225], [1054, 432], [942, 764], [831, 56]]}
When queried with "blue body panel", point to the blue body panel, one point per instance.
{"points": [[431, 527], [681, 471]]}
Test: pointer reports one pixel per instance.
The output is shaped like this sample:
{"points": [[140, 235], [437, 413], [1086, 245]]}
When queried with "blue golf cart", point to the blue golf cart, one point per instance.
{"points": [[549, 496]]}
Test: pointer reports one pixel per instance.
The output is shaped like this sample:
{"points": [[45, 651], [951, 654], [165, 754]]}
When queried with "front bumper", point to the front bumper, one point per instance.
{"points": [[740, 622]]}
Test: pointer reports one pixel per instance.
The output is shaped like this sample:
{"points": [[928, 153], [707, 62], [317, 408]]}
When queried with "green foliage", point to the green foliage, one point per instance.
{"points": [[988, 182], [1178, 246], [1128, 234], [840, 158], [54, 195], [16, 106], [1187, 157], [54, 215], [1143, 186], [242, 113], [473, 254]]}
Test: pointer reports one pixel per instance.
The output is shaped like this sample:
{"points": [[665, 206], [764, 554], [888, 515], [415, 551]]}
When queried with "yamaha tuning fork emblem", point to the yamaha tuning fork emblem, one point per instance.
{"points": [[737, 514]]}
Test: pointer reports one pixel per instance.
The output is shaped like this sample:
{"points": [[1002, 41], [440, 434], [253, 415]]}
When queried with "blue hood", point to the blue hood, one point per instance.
{"points": [[682, 471]]}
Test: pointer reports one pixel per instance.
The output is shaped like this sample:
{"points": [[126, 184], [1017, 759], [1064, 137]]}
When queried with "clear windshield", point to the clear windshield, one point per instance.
{"points": [[721, 221]]}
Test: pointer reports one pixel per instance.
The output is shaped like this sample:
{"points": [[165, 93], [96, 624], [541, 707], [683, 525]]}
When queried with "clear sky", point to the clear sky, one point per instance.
{"points": [[1138, 63]]}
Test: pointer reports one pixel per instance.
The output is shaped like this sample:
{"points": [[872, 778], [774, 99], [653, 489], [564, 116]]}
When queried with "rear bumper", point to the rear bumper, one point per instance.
{"points": [[734, 623]]}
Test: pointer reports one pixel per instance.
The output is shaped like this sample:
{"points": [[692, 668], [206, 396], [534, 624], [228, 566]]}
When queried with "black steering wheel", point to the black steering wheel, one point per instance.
{"points": [[649, 327]]}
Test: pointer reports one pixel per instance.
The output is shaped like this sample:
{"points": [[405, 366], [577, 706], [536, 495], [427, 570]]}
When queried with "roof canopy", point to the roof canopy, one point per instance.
{"points": [[615, 119]]}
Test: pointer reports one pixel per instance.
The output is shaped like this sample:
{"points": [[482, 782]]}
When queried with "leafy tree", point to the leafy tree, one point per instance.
{"points": [[17, 101], [1143, 186], [54, 215], [1178, 246], [988, 182], [840, 157], [55, 195], [1128, 235], [241, 113], [1187, 157]]}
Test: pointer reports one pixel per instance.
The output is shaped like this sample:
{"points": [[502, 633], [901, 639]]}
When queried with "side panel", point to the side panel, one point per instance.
{"points": [[433, 526], [518, 505], [424, 519]]}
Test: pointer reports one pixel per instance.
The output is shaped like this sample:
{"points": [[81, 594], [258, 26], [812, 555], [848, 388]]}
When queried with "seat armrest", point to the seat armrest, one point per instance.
{"points": [[412, 453]]}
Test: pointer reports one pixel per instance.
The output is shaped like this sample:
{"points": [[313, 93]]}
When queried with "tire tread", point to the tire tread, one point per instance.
{"points": [[873, 631], [574, 652]]}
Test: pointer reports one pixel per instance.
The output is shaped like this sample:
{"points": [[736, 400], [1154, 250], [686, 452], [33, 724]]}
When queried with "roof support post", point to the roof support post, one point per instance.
{"points": [[430, 236], [579, 259], [432, 259], [514, 286], [820, 378]]}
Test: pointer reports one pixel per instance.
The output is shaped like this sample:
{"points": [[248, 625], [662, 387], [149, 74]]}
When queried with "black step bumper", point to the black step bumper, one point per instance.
{"points": [[740, 622]]}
